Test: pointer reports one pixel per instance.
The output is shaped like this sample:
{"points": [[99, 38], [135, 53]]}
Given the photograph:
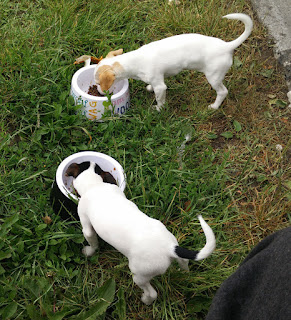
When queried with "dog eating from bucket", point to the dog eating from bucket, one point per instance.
{"points": [[96, 104]]}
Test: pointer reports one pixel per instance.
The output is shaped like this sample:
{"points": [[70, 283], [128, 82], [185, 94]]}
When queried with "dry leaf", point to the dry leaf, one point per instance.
{"points": [[47, 220]]}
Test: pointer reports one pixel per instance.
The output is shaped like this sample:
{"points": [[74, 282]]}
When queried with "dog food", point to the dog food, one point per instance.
{"points": [[93, 91]]}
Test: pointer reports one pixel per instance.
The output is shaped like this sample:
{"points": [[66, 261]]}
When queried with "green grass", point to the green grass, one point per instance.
{"points": [[231, 172]]}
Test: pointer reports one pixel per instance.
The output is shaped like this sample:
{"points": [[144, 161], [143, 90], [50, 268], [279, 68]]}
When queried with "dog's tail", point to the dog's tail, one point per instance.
{"points": [[205, 251], [248, 29]]}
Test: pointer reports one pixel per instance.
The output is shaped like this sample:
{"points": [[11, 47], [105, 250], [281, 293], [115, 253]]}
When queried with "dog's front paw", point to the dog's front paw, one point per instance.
{"points": [[88, 251], [213, 107], [150, 88], [147, 299], [158, 108]]}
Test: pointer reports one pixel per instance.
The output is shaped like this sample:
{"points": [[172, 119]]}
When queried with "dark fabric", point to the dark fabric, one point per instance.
{"points": [[260, 289]]}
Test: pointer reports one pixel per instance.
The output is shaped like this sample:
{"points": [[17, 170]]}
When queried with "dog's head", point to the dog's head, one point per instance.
{"points": [[84, 176], [75, 171], [105, 72]]}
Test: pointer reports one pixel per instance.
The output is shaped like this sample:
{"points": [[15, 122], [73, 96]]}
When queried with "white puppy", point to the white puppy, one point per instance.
{"points": [[153, 62], [148, 245]]}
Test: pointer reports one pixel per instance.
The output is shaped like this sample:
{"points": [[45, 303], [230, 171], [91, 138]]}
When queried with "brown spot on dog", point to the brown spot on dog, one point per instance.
{"points": [[106, 77], [114, 53], [117, 67], [73, 170]]}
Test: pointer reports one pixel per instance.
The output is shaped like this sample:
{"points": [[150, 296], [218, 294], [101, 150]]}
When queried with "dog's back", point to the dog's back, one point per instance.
{"points": [[179, 52], [118, 220]]}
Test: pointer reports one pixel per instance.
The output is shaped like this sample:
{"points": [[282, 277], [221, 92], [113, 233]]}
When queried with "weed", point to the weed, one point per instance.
{"points": [[108, 106]]}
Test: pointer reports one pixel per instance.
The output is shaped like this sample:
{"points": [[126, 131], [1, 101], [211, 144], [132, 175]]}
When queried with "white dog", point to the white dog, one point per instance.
{"points": [[153, 62], [148, 245]]}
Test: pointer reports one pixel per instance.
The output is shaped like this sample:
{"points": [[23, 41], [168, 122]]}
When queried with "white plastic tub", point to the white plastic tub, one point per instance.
{"points": [[105, 162], [93, 107]]}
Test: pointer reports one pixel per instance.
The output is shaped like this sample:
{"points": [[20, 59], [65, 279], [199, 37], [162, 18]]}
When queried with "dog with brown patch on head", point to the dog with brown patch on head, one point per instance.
{"points": [[153, 62]]}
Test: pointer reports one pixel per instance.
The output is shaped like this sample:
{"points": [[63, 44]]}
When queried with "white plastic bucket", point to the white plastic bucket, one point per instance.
{"points": [[105, 162], [93, 107]]}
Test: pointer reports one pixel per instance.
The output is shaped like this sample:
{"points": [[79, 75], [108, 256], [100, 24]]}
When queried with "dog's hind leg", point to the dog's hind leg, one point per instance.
{"points": [[183, 263], [90, 235], [215, 80], [149, 293]]}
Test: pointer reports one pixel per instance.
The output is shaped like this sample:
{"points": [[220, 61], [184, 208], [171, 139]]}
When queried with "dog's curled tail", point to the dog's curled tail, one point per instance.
{"points": [[248, 22], [205, 251]]}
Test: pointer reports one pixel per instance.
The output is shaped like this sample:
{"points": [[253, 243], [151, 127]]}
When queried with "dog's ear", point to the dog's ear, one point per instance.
{"points": [[98, 170], [73, 170], [108, 177], [106, 77], [114, 53]]}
